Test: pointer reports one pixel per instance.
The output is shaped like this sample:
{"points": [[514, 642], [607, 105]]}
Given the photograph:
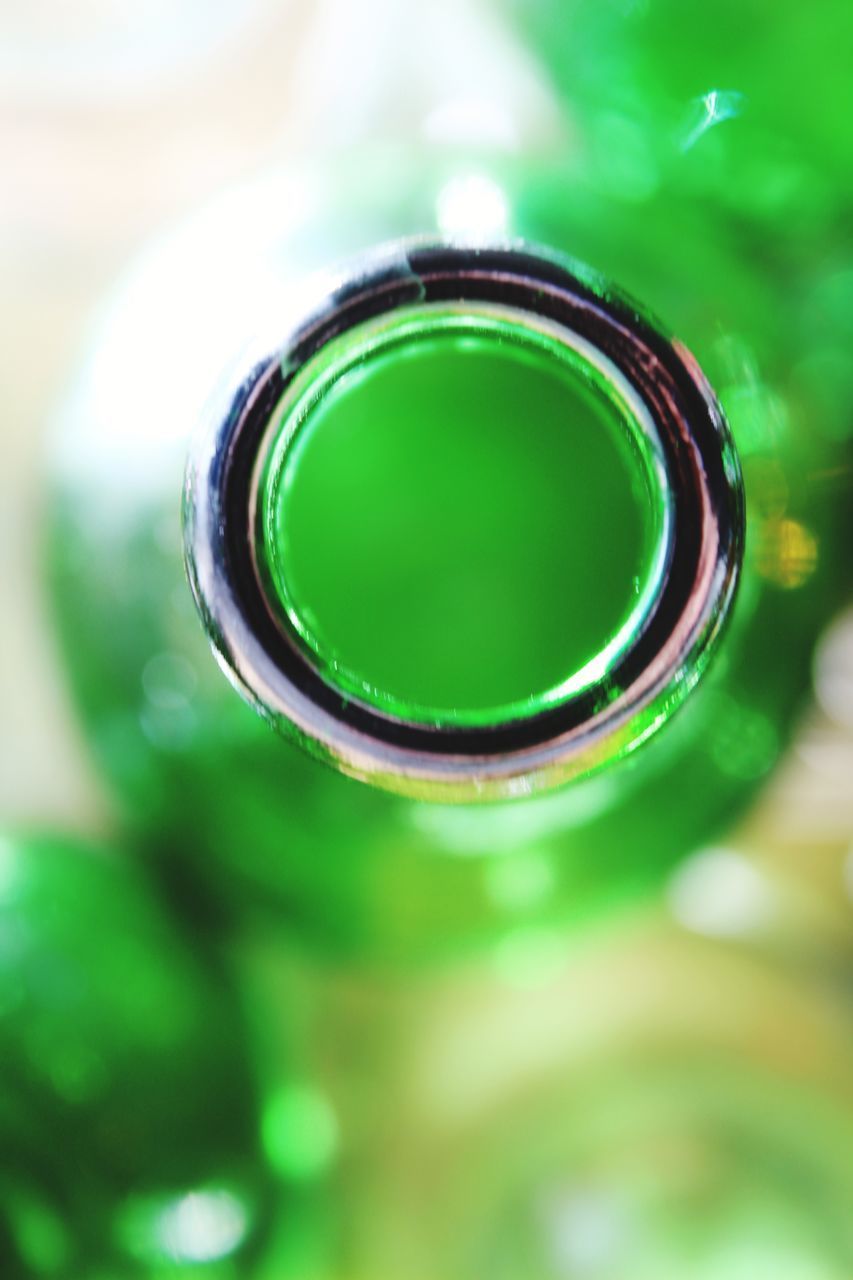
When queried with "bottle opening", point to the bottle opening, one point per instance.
{"points": [[462, 515], [473, 529]]}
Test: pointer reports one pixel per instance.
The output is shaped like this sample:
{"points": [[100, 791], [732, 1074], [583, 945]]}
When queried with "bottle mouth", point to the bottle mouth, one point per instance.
{"points": [[472, 530], [462, 516]]}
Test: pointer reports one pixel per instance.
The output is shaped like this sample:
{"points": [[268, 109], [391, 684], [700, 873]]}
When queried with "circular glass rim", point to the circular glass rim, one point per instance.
{"points": [[579, 734], [505, 325]]}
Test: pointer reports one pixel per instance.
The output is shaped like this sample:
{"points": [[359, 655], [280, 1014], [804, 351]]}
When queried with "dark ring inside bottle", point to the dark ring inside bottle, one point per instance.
{"points": [[653, 673]]}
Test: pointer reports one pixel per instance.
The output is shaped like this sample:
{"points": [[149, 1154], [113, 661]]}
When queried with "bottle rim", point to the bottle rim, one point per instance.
{"points": [[675, 634], [513, 341]]}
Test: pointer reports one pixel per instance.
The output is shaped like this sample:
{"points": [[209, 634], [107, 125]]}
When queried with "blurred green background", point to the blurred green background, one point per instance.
{"points": [[668, 1093]]}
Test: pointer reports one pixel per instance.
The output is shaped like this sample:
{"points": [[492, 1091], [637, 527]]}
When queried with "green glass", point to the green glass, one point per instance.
{"points": [[755, 295], [660, 83], [128, 1111], [459, 559]]}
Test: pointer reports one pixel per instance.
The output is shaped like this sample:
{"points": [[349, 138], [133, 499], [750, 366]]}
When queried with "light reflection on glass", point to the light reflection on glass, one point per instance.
{"points": [[720, 893], [202, 1226], [197, 1226], [183, 340], [472, 207], [469, 832], [712, 108]]}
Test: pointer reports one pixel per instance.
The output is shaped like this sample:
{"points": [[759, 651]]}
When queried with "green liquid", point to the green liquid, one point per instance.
{"points": [[460, 524]]}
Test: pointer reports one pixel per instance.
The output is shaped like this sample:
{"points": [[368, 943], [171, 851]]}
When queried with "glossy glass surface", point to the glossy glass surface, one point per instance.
{"points": [[461, 523], [622, 694], [607, 1090], [748, 273]]}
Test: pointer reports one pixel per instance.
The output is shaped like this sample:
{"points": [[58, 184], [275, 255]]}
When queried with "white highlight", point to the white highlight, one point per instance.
{"points": [[472, 208], [202, 1226], [715, 106], [472, 120], [720, 894]]}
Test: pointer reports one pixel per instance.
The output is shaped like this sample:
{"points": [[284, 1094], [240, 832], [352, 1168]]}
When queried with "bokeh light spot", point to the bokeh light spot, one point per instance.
{"points": [[787, 553], [300, 1132], [720, 894]]}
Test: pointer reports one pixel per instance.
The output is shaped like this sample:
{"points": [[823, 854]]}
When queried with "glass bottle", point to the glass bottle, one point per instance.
{"points": [[128, 1113], [262, 824]]}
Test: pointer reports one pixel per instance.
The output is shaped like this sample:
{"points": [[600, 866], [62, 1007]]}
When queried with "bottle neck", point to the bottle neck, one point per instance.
{"points": [[472, 530]]}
